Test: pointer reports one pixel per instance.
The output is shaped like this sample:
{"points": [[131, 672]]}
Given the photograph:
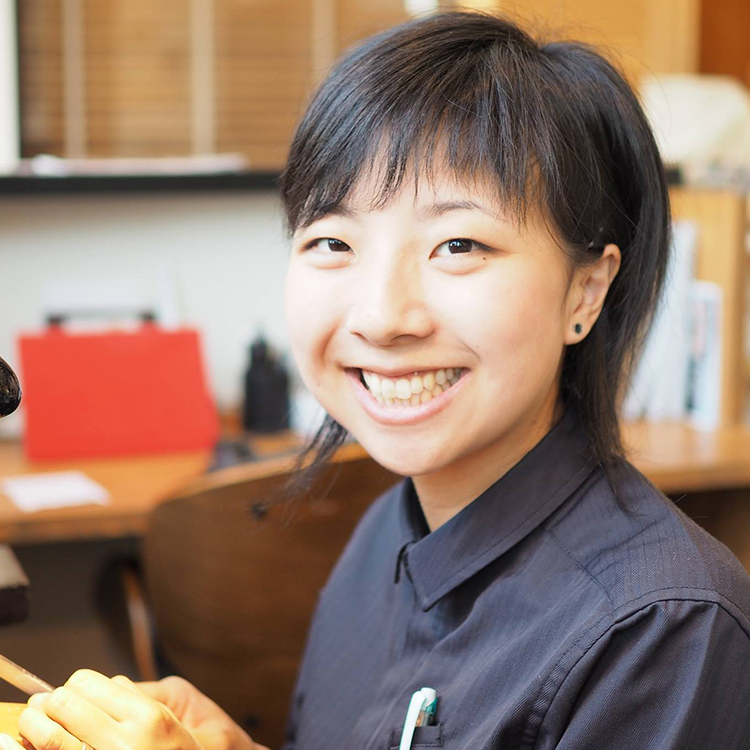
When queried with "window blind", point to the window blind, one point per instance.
{"points": [[134, 78]]}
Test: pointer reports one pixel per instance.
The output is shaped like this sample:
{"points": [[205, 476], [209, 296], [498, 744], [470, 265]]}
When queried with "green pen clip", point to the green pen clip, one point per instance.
{"points": [[429, 708]]}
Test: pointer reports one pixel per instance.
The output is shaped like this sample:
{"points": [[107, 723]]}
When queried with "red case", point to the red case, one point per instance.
{"points": [[115, 393]]}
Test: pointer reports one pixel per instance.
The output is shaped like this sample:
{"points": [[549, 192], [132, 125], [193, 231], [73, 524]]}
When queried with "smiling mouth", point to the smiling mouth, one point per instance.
{"points": [[412, 391]]}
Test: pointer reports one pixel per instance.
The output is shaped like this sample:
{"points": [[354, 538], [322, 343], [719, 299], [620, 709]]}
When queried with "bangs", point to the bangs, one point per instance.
{"points": [[474, 114]]}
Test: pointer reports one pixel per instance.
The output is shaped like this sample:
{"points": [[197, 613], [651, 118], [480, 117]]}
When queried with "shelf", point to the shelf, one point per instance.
{"points": [[156, 183], [678, 458]]}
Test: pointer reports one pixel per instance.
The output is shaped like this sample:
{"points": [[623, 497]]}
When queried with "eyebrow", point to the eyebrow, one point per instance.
{"points": [[436, 209]]}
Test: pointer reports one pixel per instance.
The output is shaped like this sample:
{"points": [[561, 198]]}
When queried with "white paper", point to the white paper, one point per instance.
{"points": [[32, 492]]}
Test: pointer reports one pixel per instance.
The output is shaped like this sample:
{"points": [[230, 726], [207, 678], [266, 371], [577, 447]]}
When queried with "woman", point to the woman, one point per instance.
{"points": [[480, 229]]}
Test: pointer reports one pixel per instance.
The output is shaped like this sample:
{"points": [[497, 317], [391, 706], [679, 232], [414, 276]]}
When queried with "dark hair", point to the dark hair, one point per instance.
{"points": [[556, 128]]}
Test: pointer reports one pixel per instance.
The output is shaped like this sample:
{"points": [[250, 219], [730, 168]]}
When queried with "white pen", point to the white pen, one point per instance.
{"points": [[420, 712]]}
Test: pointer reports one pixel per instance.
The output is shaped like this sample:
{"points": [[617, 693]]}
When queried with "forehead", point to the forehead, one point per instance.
{"points": [[429, 192], [433, 191]]}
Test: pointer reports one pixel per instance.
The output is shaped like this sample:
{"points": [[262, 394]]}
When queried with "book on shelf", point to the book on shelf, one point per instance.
{"points": [[704, 375], [678, 374]]}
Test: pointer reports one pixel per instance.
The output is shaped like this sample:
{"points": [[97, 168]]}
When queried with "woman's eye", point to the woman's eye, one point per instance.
{"points": [[459, 246], [327, 244]]}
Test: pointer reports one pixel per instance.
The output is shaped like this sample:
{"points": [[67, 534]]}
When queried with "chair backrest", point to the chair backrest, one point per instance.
{"points": [[233, 582]]}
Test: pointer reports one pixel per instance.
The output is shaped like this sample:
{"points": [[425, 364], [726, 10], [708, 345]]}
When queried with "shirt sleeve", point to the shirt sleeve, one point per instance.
{"points": [[673, 676]]}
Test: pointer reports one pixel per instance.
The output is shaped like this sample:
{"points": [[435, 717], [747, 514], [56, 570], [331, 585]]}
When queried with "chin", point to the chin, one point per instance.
{"points": [[407, 466]]}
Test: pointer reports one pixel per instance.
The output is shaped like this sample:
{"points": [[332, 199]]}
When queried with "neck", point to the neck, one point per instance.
{"points": [[444, 493]]}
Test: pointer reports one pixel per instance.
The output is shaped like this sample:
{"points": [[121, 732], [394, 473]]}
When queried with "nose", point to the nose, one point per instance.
{"points": [[388, 301]]}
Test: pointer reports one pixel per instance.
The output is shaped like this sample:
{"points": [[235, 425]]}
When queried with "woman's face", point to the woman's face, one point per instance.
{"points": [[440, 281]]}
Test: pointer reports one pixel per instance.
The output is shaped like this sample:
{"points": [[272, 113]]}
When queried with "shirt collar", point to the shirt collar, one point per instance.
{"points": [[499, 518]]}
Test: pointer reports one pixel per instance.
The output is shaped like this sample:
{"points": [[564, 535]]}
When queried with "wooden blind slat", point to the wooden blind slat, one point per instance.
{"points": [[137, 73]]}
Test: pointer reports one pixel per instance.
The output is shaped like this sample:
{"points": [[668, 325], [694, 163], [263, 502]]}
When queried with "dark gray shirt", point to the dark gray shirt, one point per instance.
{"points": [[561, 609]]}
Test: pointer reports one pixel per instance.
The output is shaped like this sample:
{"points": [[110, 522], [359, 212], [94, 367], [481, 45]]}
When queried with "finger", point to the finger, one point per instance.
{"points": [[126, 682], [171, 691], [146, 689], [76, 715], [8, 743], [125, 708], [119, 702], [155, 689], [44, 733], [178, 694]]}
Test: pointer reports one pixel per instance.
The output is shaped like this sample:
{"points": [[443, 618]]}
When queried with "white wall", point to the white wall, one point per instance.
{"points": [[8, 87], [226, 251]]}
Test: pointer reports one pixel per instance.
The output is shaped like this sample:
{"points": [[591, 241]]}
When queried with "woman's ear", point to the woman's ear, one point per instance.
{"points": [[588, 292]]}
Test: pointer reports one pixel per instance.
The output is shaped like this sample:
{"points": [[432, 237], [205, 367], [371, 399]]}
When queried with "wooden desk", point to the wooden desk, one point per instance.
{"points": [[135, 485], [675, 457]]}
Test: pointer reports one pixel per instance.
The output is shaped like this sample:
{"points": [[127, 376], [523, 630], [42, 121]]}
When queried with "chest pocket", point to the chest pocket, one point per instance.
{"points": [[430, 736]]}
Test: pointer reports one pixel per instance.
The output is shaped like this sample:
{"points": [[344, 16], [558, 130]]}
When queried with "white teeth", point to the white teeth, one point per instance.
{"points": [[373, 382], [388, 388], [414, 390], [403, 389]]}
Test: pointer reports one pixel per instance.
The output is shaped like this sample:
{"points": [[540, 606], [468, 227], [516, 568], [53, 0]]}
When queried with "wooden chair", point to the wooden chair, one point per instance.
{"points": [[232, 581]]}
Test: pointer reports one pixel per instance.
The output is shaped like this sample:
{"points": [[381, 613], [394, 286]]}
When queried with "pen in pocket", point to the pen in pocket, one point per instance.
{"points": [[421, 712]]}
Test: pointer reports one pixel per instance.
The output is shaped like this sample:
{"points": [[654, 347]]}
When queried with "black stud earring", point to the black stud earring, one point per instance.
{"points": [[577, 327]]}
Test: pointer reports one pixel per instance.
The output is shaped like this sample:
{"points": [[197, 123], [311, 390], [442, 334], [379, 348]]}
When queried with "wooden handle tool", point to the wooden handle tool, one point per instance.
{"points": [[22, 678]]}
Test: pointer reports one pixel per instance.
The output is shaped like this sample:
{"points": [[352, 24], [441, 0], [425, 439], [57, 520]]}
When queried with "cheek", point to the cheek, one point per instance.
{"points": [[309, 317], [518, 322], [296, 302]]}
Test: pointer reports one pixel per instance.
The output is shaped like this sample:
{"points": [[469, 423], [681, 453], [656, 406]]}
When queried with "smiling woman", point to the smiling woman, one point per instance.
{"points": [[480, 227], [466, 201]]}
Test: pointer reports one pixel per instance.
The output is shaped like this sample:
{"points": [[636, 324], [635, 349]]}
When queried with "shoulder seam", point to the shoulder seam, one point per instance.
{"points": [[591, 576], [529, 740]]}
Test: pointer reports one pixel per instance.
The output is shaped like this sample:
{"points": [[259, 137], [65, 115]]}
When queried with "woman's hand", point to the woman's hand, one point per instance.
{"points": [[208, 723], [117, 714]]}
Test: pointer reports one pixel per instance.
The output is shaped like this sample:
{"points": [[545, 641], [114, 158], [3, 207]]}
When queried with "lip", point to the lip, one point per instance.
{"points": [[395, 374], [403, 415]]}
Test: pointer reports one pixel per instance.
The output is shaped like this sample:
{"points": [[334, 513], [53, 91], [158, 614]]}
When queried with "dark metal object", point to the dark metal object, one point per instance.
{"points": [[10, 389], [58, 318], [266, 404], [228, 452], [14, 588]]}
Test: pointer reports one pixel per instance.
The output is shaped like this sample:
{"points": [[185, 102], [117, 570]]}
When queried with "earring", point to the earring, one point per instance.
{"points": [[577, 327]]}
